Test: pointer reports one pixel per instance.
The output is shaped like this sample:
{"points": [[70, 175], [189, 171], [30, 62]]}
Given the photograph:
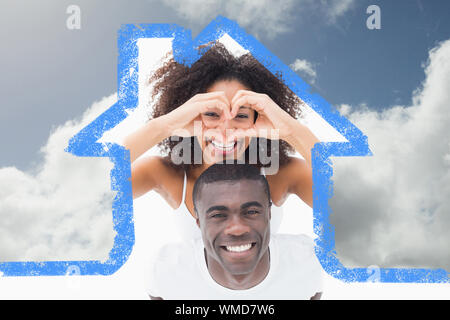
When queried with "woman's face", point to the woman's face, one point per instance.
{"points": [[217, 141]]}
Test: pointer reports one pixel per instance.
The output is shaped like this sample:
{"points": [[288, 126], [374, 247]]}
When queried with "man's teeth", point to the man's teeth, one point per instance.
{"points": [[241, 248], [222, 146]]}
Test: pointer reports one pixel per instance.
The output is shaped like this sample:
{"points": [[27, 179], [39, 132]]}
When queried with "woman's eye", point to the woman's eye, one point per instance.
{"points": [[242, 116], [212, 114]]}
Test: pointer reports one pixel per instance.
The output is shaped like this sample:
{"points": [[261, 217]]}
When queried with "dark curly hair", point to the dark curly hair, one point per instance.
{"points": [[175, 83]]}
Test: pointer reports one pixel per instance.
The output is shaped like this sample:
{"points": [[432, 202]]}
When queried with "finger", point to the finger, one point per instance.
{"points": [[235, 109], [226, 110], [208, 95], [210, 105], [234, 105], [251, 101], [222, 97], [240, 93], [216, 104], [213, 95]]}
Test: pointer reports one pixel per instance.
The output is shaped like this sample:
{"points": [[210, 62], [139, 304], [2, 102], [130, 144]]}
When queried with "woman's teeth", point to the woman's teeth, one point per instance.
{"points": [[226, 147], [241, 248]]}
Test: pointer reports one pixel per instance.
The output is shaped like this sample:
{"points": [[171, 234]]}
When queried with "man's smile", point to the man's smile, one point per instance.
{"points": [[239, 248], [239, 251]]}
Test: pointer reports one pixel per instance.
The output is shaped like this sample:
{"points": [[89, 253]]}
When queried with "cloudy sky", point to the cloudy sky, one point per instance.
{"points": [[393, 83]]}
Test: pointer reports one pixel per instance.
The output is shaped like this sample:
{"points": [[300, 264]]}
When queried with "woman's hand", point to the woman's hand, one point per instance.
{"points": [[272, 122], [181, 121]]}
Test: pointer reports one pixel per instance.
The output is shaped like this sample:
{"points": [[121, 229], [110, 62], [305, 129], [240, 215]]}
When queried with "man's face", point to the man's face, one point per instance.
{"points": [[234, 219]]}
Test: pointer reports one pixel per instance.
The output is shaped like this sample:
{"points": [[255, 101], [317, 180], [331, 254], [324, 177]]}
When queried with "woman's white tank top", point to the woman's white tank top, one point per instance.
{"points": [[187, 226]]}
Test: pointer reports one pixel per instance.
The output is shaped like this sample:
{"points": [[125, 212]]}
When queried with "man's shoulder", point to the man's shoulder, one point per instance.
{"points": [[298, 262], [295, 247], [174, 261], [176, 252], [294, 240], [173, 270]]}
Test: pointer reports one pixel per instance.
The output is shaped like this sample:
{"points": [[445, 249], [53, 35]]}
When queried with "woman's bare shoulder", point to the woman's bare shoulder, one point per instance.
{"points": [[297, 176], [154, 172], [294, 169]]}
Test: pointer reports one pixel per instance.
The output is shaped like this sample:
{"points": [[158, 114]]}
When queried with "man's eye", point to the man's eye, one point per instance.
{"points": [[218, 215], [252, 212]]}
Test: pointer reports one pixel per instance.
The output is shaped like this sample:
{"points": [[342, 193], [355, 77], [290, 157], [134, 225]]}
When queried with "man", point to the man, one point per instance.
{"points": [[237, 257]]}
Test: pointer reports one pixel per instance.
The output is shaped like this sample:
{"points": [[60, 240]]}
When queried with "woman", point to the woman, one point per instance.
{"points": [[218, 105]]}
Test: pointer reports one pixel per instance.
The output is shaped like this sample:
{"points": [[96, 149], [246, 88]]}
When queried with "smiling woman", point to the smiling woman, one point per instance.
{"points": [[222, 74], [223, 108]]}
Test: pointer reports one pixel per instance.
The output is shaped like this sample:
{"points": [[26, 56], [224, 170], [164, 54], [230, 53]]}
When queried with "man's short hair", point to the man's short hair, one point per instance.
{"points": [[229, 172]]}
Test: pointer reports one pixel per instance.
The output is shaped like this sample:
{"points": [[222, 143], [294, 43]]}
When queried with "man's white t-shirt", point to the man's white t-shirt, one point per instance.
{"points": [[179, 272]]}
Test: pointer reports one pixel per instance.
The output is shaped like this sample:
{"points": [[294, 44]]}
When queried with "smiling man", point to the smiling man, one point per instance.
{"points": [[237, 257]]}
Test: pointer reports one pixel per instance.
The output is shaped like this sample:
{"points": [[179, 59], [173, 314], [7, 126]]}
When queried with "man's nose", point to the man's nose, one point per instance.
{"points": [[236, 226]]}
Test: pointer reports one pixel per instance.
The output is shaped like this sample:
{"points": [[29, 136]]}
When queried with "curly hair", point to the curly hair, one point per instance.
{"points": [[175, 83]]}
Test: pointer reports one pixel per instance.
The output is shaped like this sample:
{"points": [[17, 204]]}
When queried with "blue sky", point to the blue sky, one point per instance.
{"points": [[51, 74], [377, 67]]}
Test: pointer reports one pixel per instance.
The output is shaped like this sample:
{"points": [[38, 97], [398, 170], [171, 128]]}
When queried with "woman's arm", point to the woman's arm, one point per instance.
{"points": [[147, 137], [151, 173], [300, 171], [178, 122], [301, 139], [298, 175], [145, 171]]}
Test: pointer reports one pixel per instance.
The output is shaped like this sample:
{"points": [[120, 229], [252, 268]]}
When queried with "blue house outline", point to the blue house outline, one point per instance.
{"points": [[84, 144]]}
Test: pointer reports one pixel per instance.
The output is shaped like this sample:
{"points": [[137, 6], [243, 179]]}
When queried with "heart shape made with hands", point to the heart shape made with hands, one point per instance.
{"points": [[250, 114]]}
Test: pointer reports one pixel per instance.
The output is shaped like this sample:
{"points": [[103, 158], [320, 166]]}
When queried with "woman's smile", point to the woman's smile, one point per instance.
{"points": [[224, 148]]}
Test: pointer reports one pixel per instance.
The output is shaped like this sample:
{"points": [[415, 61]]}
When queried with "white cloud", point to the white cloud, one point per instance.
{"points": [[63, 210], [335, 9], [392, 209], [261, 17], [306, 68]]}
